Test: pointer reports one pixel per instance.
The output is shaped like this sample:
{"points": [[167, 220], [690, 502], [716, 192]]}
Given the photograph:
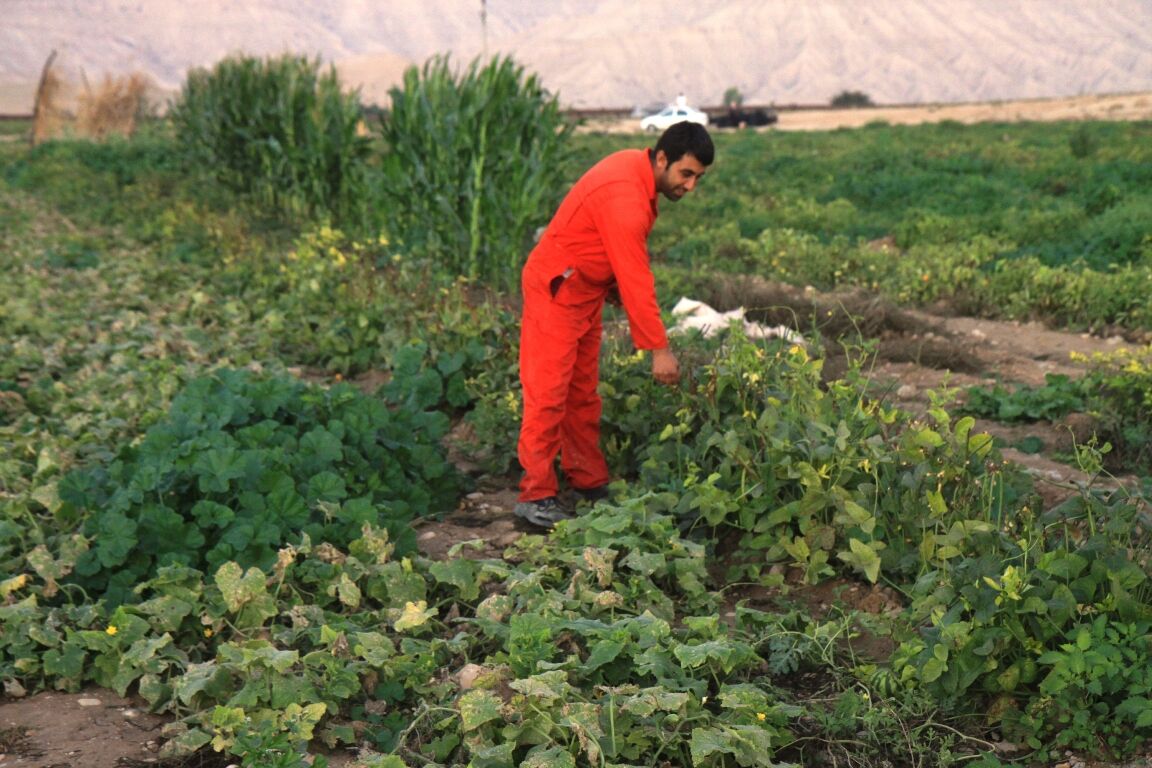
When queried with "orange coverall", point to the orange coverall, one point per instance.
{"points": [[597, 241]]}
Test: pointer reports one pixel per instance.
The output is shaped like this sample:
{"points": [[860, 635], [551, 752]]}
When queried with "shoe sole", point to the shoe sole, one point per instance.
{"points": [[540, 517]]}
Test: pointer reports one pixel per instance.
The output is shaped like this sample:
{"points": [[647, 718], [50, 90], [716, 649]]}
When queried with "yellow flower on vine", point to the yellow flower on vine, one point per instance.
{"points": [[111, 630]]}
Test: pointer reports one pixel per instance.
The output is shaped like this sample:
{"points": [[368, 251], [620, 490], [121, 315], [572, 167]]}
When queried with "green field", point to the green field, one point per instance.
{"points": [[221, 410]]}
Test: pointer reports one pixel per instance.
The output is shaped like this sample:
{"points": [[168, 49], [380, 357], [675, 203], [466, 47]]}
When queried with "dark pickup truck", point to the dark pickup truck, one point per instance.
{"points": [[740, 118]]}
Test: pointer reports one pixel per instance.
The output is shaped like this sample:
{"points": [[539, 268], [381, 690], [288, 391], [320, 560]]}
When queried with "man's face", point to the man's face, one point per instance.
{"points": [[674, 180]]}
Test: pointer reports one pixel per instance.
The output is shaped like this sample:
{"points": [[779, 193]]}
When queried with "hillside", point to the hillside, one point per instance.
{"points": [[619, 53]]}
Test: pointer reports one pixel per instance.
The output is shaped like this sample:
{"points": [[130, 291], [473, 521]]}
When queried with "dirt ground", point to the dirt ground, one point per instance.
{"points": [[919, 352], [1131, 106]]}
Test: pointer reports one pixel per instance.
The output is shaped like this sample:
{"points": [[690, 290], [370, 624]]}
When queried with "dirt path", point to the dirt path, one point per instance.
{"points": [[1007, 353], [1130, 106]]}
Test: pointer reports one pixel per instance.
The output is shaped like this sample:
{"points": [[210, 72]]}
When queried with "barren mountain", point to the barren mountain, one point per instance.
{"points": [[618, 53]]}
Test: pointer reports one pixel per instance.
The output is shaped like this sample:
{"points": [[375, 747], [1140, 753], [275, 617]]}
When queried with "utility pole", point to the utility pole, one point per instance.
{"points": [[484, 25]]}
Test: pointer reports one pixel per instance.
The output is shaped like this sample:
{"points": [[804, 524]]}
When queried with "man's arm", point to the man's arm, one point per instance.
{"points": [[623, 222]]}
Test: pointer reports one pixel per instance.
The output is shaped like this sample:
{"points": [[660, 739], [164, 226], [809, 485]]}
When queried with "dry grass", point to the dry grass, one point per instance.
{"points": [[113, 107], [48, 117]]}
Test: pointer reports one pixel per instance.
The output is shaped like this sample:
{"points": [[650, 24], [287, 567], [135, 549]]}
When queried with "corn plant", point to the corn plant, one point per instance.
{"points": [[473, 164], [280, 130]]}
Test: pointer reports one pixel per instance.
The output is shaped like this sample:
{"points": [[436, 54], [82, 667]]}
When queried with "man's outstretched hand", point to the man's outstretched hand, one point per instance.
{"points": [[665, 366]]}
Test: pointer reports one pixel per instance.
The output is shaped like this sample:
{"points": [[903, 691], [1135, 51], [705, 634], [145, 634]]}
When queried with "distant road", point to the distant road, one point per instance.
{"points": [[1126, 107]]}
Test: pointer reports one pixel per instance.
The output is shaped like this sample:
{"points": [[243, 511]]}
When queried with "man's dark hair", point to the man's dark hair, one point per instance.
{"points": [[687, 139]]}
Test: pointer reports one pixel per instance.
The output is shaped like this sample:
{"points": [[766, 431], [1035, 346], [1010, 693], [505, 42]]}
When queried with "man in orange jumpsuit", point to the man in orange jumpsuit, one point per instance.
{"points": [[595, 247]]}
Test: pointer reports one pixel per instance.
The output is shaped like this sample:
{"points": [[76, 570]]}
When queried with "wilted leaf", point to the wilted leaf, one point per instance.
{"points": [[348, 592], [478, 707], [552, 757], [547, 686], [415, 614]]}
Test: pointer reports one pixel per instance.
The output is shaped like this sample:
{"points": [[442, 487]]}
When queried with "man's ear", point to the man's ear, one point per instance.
{"points": [[660, 160]]}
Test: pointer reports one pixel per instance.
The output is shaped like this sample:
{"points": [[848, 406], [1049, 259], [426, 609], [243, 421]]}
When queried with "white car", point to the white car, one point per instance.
{"points": [[671, 115]]}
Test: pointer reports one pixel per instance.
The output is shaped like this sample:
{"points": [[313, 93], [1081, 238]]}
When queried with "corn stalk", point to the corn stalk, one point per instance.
{"points": [[472, 165], [279, 130]]}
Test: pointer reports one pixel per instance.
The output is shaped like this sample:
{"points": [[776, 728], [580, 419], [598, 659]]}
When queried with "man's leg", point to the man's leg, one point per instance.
{"points": [[546, 366], [580, 455]]}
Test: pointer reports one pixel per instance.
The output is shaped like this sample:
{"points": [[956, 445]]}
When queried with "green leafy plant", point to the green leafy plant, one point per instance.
{"points": [[243, 465], [756, 443], [1058, 397], [1095, 690], [1002, 615], [1120, 394], [1082, 143]]}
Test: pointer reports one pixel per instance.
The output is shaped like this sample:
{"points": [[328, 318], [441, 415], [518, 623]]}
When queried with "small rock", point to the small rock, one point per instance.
{"points": [[475, 495], [375, 707], [89, 702], [428, 535], [468, 675], [906, 391], [131, 713]]}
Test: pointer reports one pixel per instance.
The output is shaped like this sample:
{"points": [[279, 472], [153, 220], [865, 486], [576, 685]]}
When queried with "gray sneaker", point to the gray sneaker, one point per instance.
{"points": [[542, 512]]}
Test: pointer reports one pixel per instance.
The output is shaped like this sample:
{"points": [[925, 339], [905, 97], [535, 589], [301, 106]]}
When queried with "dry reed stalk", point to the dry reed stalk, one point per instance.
{"points": [[113, 107], [46, 117]]}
